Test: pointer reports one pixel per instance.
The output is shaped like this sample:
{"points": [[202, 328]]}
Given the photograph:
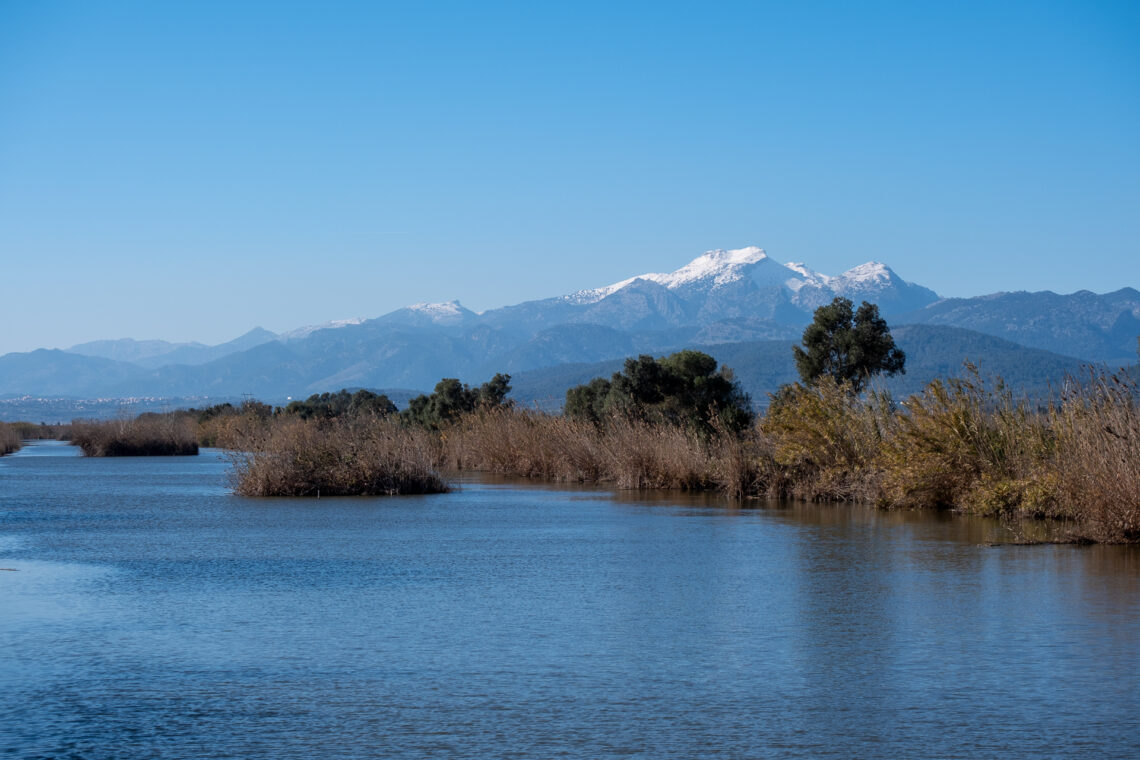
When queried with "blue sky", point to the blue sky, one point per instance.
{"points": [[190, 170]]}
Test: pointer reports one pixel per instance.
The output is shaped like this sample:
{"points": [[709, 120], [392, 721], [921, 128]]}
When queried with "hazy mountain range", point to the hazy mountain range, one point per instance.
{"points": [[740, 305]]}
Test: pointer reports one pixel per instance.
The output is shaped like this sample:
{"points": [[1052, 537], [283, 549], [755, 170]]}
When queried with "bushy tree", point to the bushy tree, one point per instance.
{"points": [[848, 345], [451, 398], [342, 403], [685, 388]]}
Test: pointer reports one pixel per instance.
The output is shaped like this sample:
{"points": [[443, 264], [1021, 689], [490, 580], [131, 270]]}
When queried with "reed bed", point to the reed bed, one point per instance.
{"points": [[968, 445], [369, 457], [625, 453], [10, 440], [1097, 459], [146, 435], [964, 444], [822, 442]]}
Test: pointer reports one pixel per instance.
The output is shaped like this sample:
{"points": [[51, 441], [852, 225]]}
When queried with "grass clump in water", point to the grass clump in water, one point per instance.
{"points": [[146, 435], [340, 457]]}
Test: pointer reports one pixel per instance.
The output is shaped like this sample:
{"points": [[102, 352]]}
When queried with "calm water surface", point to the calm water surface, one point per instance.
{"points": [[150, 613]]}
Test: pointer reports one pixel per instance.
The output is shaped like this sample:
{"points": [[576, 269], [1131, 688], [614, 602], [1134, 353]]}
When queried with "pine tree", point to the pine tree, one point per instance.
{"points": [[850, 347]]}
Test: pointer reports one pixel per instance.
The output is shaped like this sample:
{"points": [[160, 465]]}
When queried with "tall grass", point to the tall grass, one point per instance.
{"points": [[965, 444], [30, 431], [626, 453], [146, 435], [9, 439], [356, 457], [824, 441], [1097, 458], [968, 444]]}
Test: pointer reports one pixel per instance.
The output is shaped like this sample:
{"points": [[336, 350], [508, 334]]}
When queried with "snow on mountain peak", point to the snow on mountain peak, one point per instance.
{"points": [[303, 332], [712, 271], [438, 310], [441, 313], [869, 272], [720, 265], [809, 276]]}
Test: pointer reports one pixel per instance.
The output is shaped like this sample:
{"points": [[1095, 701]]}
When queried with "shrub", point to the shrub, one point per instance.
{"points": [[451, 399], [966, 444], [341, 404], [684, 389], [824, 441]]}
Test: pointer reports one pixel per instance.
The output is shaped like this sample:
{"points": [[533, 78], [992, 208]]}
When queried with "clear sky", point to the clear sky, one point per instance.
{"points": [[189, 170]]}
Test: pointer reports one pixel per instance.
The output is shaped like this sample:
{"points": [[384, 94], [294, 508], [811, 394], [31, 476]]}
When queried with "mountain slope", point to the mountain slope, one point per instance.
{"points": [[158, 353], [1091, 326], [45, 372], [721, 297]]}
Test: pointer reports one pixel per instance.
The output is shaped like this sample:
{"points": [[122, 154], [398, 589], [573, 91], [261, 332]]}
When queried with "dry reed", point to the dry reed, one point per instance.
{"points": [[1097, 459], [146, 435], [9, 439], [293, 457], [965, 444], [626, 453], [824, 442]]}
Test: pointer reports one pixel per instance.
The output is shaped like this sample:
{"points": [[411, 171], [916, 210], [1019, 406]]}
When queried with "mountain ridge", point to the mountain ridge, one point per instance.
{"points": [[723, 296]]}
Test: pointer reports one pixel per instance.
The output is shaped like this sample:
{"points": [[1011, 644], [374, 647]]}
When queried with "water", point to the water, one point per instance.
{"points": [[150, 613]]}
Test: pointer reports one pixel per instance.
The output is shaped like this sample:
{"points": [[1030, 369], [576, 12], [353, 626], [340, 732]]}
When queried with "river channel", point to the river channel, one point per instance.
{"points": [[146, 611]]}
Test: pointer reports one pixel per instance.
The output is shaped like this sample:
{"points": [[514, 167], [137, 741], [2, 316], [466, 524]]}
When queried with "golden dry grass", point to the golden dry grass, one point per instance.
{"points": [[965, 444], [625, 453], [146, 435], [294, 457], [1097, 459], [9, 439]]}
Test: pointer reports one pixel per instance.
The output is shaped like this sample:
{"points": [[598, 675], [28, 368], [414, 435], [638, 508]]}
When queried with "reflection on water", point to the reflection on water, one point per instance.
{"points": [[152, 613]]}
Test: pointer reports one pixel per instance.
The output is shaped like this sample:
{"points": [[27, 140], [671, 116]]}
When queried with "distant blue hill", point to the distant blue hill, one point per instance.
{"points": [[741, 301]]}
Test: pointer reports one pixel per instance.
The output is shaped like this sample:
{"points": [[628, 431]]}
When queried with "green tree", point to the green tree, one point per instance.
{"points": [[686, 388], [451, 399], [340, 404], [850, 346], [588, 401]]}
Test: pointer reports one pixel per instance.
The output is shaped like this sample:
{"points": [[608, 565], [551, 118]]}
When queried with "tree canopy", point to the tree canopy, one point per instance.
{"points": [[452, 398], [850, 346], [684, 388], [341, 403]]}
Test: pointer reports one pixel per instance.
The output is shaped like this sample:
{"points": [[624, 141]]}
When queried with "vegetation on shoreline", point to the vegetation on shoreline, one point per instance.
{"points": [[10, 440], [680, 422], [964, 444], [13, 434], [146, 435], [348, 456], [686, 389]]}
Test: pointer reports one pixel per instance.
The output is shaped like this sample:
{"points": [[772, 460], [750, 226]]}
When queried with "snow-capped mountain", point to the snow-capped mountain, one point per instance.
{"points": [[307, 330], [444, 314], [720, 297], [742, 283], [708, 271]]}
